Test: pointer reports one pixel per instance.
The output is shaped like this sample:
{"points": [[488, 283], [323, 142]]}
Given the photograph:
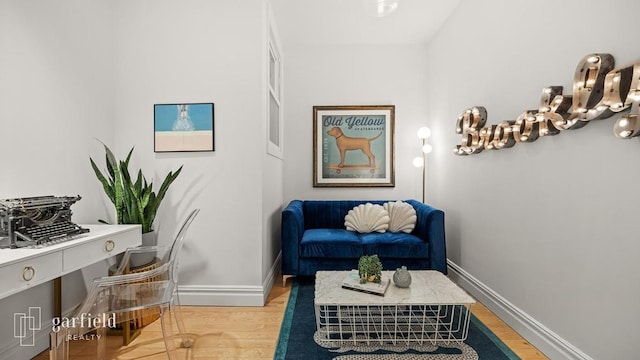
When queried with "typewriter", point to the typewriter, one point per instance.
{"points": [[33, 221]]}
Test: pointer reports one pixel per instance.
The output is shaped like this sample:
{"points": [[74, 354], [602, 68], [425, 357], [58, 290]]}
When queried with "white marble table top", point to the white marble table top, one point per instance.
{"points": [[428, 287]]}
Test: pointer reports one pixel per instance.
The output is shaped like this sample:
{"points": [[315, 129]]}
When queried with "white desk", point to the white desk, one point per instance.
{"points": [[24, 268]]}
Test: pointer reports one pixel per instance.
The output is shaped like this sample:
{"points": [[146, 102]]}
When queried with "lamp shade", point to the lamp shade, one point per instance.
{"points": [[417, 161], [424, 132]]}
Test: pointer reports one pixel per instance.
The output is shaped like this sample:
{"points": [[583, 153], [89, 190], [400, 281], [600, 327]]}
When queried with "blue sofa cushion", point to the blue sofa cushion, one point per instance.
{"points": [[330, 243], [394, 245], [323, 214]]}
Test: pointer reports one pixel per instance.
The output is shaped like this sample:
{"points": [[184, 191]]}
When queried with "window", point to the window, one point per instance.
{"points": [[274, 90]]}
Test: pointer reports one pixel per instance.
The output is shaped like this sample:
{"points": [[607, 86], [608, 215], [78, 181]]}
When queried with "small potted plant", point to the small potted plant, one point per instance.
{"points": [[370, 269], [135, 202]]}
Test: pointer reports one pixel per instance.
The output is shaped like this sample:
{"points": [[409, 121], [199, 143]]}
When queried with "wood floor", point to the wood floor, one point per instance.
{"points": [[249, 333]]}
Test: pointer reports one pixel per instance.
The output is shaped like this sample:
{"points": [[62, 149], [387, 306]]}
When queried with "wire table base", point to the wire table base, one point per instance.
{"points": [[344, 315]]}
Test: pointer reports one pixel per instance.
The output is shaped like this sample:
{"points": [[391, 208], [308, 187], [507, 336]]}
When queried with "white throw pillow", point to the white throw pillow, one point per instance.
{"points": [[366, 218], [402, 216]]}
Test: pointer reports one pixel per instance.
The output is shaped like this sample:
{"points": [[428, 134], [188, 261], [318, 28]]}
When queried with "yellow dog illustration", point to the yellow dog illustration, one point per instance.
{"points": [[346, 143]]}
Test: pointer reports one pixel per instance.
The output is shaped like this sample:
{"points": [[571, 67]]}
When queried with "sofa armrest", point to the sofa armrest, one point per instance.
{"points": [[430, 227], [291, 235]]}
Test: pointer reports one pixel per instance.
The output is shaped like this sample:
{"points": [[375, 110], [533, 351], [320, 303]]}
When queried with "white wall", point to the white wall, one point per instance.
{"points": [[353, 75], [551, 226], [272, 172], [272, 195], [56, 95], [203, 51], [74, 71]]}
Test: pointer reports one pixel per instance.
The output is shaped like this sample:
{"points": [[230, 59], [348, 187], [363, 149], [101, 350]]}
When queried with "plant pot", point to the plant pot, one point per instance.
{"points": [[148, 239]]}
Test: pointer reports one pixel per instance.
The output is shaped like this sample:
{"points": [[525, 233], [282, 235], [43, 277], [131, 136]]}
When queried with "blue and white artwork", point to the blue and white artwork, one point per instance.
{"points": [[183, 127]]}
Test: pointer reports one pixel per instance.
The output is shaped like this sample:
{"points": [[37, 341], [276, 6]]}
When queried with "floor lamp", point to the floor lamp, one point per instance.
{"points": [[423, 134]]}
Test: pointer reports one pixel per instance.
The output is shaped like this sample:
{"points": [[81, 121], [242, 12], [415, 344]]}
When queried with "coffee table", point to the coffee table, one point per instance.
{"points": [[433, 309]]}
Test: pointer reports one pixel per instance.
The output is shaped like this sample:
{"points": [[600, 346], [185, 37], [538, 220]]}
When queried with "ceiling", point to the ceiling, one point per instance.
{"points": [[314, 22]]}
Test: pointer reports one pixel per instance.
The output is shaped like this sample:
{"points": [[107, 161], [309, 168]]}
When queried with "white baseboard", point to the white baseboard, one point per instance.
{"points": [[545, 340], [221, 295], [274, 273], [214, 295]]}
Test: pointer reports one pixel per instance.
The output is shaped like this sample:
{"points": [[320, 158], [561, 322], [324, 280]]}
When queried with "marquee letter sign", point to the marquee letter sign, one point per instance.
{"points": [[599, 91]]}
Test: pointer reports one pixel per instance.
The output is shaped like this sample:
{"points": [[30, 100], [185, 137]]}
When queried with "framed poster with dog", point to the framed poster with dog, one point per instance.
{"points": [[353, 146]]}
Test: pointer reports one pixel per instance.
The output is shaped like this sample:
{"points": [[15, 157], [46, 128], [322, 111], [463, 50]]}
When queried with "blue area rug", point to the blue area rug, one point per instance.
{"points": [[298, 339]]}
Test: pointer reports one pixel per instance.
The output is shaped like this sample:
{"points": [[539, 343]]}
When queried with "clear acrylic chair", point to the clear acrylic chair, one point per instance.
{"points": [[111, 297]]}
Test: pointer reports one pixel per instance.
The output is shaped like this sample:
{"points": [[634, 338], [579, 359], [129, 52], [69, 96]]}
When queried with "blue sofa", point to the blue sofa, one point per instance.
{"points": [[314, 238]]}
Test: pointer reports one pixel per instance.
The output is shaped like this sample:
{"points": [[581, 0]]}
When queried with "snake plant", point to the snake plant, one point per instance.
{"points": [[135, 202]]}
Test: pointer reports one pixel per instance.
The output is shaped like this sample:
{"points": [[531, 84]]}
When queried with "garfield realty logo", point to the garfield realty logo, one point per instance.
{"points": [[83, 321], [26, 324]]}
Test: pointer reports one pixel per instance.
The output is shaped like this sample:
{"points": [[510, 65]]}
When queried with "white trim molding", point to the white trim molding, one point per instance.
{"points": [[230, 295], [216, 295], [545, 340], [274, 272]]}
